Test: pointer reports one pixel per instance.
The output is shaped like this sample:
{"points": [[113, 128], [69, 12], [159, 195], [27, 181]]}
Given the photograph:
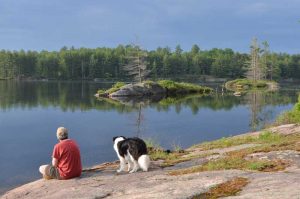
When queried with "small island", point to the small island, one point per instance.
{"points": [[240, 85], [258, 73], [151, 88]]}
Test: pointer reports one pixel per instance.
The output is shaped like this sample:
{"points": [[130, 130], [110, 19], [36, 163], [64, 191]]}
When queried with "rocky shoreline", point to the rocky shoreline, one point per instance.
{"points": [[169, 181]]}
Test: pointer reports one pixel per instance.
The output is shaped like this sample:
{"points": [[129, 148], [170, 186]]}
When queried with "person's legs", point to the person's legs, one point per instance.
{"points": [[45, 171], [49, 172]]}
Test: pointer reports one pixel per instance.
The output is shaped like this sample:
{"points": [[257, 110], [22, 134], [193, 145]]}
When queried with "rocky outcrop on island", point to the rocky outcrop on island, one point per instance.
{"points": [[139, 89], [150, 88]]}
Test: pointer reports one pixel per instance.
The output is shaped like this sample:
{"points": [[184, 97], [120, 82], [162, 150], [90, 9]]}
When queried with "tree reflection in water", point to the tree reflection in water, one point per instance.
{"points": [[74, 96]]}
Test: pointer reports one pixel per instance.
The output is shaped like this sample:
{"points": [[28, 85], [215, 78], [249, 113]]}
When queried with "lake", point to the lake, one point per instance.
{"points": [[30, 113]]}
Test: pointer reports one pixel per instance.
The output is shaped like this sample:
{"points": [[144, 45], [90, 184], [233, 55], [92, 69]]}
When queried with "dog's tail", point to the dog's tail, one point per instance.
{"points": [[144, 162]]}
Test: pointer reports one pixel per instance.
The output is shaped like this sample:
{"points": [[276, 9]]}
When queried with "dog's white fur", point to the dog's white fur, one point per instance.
{"points": [[143, 161]]}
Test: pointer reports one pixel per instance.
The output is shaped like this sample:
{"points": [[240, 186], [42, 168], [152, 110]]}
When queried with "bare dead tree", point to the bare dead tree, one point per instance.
{"points": [[137, 64], [255, 71], [265, 65]]}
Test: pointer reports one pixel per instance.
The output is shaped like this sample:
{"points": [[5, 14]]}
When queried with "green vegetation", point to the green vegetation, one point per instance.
{"points": [[265, 137], [151, 144], [114, 88], [234, 163], [177, 157], [177, 148], [246, 84], [163, 155], [229, 188], [289, 117], [267, 141], [156, 152], [171, 87], [171, 158], [107, 63]]}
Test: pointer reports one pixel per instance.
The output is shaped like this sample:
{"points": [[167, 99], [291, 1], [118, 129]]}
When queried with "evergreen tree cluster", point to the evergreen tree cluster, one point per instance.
{"points": [[84, 63]]}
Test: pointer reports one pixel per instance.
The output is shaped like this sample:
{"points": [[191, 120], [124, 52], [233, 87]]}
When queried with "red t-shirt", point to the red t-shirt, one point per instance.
{"points": [[68, 155]]}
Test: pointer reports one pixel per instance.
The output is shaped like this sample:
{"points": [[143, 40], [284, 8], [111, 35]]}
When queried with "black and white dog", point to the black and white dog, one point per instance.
{"points": [[133, 151]]}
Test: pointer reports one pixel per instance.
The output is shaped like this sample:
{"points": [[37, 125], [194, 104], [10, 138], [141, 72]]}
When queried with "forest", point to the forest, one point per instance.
{"points": [[107, 63]]}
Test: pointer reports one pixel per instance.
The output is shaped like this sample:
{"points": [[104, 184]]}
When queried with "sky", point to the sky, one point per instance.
{"points": [[52, 24]]}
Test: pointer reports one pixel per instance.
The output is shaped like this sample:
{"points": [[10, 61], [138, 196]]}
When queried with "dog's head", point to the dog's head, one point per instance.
{"points": [[118, 138]]}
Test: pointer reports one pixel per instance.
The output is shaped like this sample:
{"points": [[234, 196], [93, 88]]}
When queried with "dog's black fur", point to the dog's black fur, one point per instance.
{"points": [[136, 147]]}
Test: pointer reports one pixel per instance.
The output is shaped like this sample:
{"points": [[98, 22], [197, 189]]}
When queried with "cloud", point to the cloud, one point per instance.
{"points": [[93, 23]]}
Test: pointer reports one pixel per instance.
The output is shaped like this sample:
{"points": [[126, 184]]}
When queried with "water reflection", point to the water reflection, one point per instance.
{"points": [[260, 104], [30, 112], [71, 96], [257, 101]]}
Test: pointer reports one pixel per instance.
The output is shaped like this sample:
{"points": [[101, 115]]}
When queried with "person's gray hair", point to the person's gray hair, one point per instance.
{"points": [[62, 133]]}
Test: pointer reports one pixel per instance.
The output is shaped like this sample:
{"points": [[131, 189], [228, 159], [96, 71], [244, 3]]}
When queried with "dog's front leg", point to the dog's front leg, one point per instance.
{"points": [[122, 164]]}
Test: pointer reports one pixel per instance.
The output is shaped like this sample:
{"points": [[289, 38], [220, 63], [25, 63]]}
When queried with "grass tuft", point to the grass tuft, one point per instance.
{"points": [[289, 117], [115, 87], [183, 87], [229, 188], [234, 163], [263, 138], [152, 144]]}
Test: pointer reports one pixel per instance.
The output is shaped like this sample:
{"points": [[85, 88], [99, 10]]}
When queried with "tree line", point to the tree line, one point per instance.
{"points": [[85, 63]]}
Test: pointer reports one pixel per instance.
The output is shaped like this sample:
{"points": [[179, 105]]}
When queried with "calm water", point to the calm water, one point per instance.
{"points": [[30, 113]]}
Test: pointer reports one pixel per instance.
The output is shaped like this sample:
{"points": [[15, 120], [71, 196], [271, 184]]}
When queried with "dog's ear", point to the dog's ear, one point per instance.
{"points": [[114, 138], [123, 137]]}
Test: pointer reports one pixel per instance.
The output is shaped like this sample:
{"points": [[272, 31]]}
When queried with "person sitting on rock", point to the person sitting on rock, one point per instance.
{"points": [[66, 161]]}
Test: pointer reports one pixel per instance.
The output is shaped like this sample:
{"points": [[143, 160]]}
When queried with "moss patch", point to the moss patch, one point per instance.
{"points": [[183, 87], [236, 159], [173, 161], [264, 137], [234, 163], [229, 188], [169, 158], [225, 142], [115, 87]]}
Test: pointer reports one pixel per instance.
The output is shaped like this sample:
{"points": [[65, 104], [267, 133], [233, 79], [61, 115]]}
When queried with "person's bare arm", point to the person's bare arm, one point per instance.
{"points": [[54, 162]]}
